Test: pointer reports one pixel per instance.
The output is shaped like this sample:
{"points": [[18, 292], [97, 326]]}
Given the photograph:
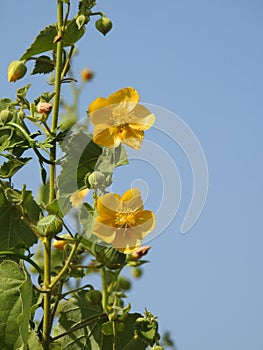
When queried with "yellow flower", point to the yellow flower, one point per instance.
{"points": [[120, 118], [122, 221], [77, 198]]}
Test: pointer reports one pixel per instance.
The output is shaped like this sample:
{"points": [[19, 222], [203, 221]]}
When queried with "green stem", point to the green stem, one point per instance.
{"points": [[104, 290], [65, 69], [76, 290], [65, 267], [52, 195], [47, 296], [55, 113], [23, 257], [114, 345]]}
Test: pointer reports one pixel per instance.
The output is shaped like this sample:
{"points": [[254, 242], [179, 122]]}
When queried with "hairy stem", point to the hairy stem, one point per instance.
{"points": [[47, 242], [104, 289]]}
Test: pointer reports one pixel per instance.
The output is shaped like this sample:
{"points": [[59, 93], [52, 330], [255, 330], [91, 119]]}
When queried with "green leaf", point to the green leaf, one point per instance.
{"points": [[112, 158], [86, 219], [43, 64], [60, 206], [4, 103], [13, 141], [147, 329], [76, 311], [44, 41], [82, 155], [33, 342], [15, 304], [14, 230], [21, 96], [107, 327], [12, 166]]}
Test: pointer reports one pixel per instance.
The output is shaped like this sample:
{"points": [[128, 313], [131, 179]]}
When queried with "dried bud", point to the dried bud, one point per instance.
{"points": [[86, 74], [140, 252], [16, 71], [103, 25], [44, 108]]}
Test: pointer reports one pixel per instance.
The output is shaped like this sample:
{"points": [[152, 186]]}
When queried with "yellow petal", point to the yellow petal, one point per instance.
{"points": [[125, 95], [125, 240], [108, 137], [132, 199], [102, 116], [97, 104], [132, 137], [141, 118], [108, 205], [104, 230], [144, 223], [77, 198]]}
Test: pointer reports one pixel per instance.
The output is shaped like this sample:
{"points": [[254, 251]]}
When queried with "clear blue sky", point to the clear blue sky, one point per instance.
{"points": [[203, 61]]}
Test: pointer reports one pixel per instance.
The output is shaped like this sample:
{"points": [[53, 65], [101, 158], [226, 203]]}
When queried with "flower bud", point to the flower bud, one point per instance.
{"points": [[49, 225], [124, 283], [16, 71], [103, 25], [137, 272], [44, 108], [96, 179], [140, 252], [86, 74], [157, 347], [5, 116]]}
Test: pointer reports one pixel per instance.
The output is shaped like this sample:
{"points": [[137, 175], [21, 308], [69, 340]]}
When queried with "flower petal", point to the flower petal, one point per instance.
{"points": [[132, 137], [144, 223], [98, 104], [126, 95], [104, 230], [141, 118], [132, 199], [108, 205], [125, 240], [108, 137]]}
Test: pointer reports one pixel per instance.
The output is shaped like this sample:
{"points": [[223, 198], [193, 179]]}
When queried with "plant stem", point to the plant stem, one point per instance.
{"points": [[114, 345], [104, 289], [52, 195], [65, 267], [54, 124], [47, 296]]}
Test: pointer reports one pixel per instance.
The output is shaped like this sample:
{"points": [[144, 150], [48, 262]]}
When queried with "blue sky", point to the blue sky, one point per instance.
{"points": [[202, 60]]}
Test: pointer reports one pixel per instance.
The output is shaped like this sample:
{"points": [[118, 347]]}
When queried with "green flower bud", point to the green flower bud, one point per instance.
{"points": [[103, 25], [49, 225], [157, 347], [16, 71], [137, 272], [124, 283], [6, 116], [94, 297], [96, 179], [21, 114]]}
